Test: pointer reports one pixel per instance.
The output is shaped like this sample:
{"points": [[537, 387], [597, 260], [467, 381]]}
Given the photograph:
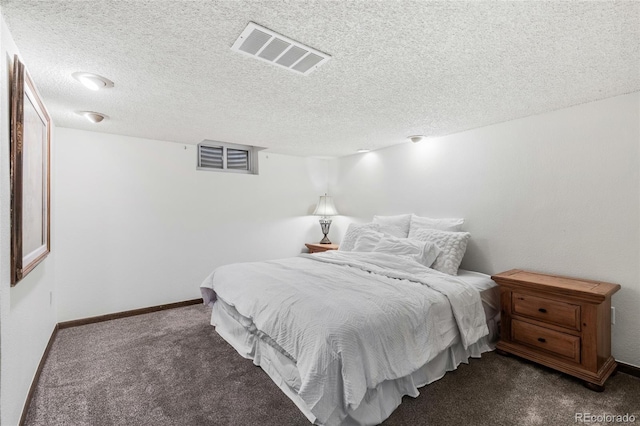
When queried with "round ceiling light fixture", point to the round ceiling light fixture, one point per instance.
{"points": [[92, 116], [92, 81], [416, 138]]}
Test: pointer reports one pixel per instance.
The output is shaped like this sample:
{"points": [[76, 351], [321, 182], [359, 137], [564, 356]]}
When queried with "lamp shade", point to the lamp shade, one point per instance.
{"points": [[325, 206]]}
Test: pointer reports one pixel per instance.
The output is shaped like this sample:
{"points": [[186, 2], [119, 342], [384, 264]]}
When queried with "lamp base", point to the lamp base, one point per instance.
{"points": [[325, 224], [325, 240]]}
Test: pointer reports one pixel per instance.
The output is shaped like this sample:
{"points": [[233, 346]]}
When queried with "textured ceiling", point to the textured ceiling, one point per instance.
{"points": [[399, 67]]}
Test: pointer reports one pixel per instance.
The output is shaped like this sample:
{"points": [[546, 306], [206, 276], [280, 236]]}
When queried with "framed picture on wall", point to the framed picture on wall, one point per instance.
{"points": [[30, 175]]}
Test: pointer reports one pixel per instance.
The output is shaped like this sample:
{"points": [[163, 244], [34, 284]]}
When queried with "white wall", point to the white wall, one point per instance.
{"points": [[27, 318], [137, 225], [557, 193]]}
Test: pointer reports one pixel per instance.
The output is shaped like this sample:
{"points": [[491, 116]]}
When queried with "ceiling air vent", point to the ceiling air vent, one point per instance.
{"points": [[263, 44]]}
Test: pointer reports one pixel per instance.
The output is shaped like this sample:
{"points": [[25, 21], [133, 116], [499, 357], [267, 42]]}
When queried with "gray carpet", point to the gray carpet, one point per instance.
{"points": [[172, 368]]}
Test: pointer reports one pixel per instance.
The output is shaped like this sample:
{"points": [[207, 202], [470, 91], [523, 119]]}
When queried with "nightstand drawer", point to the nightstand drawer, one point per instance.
{"points": [[565, 345], [547, 310]]}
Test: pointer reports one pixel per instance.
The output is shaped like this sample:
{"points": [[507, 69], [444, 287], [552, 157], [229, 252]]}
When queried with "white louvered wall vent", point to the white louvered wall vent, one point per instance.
{"points": [[268, 46], [228, 157]]}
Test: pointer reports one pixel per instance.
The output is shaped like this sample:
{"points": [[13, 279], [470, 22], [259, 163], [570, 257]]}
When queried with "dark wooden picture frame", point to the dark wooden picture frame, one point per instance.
{"points": [[30, 175]]}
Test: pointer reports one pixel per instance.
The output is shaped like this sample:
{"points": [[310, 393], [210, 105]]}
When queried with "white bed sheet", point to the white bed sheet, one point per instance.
{"points": [[489, 290], [490, 296]]}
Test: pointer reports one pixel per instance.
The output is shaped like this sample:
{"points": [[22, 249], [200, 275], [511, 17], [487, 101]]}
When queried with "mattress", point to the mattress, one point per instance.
{"points": [[380, 402]]}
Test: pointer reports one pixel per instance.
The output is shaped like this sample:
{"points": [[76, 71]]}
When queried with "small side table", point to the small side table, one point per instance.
{"points": [[319, 248], [561, 322]]}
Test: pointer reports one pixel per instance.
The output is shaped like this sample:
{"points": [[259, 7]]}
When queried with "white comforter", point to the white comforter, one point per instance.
{"points": [[350, 320]]}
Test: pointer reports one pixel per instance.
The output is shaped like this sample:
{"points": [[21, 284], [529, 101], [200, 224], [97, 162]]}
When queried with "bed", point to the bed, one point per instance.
{"points": [[346, 334]]}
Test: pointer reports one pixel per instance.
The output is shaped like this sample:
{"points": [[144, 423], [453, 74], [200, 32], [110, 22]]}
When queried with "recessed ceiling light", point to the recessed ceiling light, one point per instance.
{"points": [[416, 138], [92, 81], [94, 117], [363, 150]]}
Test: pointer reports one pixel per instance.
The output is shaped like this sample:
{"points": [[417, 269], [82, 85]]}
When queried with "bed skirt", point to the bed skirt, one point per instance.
{"points": [[378, 403]]}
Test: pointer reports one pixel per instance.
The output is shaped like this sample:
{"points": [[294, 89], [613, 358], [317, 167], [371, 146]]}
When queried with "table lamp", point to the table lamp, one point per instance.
{"points": [[325, 209]]}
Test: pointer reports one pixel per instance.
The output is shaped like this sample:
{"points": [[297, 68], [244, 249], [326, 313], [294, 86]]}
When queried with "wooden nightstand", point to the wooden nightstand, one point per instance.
{"points": [[319, 248], [563, 323]]}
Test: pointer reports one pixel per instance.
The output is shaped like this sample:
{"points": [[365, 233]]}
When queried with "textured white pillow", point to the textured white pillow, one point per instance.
{"points": [[452, 244], [417, 223], [424, 252], [352, 233], [367, 240], [398, 226]]}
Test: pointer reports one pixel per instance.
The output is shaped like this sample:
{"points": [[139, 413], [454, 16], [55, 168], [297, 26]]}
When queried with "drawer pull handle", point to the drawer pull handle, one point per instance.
{"points": [[542, 340], [543, 310]]}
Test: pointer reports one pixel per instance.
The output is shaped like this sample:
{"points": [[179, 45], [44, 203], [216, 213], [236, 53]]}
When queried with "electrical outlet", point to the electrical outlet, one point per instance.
{"points": [[613, 315]]}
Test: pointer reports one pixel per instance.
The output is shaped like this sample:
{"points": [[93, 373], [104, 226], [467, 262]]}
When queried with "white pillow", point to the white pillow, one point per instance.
{"points": [[367, 240], [424, 252], [352, 233], [398, 226], [452, 244], [417, 223]]}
